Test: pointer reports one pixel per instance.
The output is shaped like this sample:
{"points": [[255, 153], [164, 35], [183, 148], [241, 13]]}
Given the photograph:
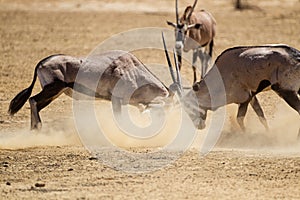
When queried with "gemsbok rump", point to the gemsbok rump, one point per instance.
{"points": [[200, 27], [245, 72], [98, 76]]}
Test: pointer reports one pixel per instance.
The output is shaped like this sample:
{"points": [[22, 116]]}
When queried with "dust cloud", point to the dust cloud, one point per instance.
{"points": [[138, 130], [141, 130], [282, 136], [61, 135], [107, 132]]}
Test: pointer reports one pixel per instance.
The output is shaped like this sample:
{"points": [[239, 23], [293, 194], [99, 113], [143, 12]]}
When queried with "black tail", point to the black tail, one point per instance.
{"points": [[17, 103]]}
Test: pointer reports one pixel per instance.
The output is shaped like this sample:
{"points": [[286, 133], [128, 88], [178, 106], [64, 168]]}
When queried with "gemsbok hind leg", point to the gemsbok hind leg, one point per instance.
{"points": [[42, 99], [290, 96], [195, 55], [258, 110]]}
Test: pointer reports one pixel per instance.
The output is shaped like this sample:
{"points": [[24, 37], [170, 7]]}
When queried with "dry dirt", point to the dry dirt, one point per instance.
{"points": [[52, 164]]}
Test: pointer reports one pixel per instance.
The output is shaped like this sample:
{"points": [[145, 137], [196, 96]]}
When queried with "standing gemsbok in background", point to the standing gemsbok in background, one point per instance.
{"points": [[98, 76], [245, 72], [195, 30]]}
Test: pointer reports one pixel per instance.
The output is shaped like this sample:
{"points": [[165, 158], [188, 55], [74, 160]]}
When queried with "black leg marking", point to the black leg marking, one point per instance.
{"points": [[195, 55], [211, 46], [262, 85], [85, 90], [258, 110], [195, 74], [289, 96], [203, 61], [42, 99]]}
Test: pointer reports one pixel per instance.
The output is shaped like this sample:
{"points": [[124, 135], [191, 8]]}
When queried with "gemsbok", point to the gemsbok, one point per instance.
{"points": [[195, 30], [245, 72], [98, 76]]}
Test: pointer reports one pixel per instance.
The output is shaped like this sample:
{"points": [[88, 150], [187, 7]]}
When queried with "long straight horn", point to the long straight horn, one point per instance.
{"points": [[192, 10], [168, 59], [179, 82], [176, 9]]}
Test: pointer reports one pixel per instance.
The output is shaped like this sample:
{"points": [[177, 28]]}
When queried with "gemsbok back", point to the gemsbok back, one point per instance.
{"points": [[200, 27], [99, 75], [245, 72]]}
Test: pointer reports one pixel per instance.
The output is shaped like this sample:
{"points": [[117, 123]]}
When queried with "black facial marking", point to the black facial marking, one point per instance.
{"points": [[197, 26], [196, 87], [180, 26]]}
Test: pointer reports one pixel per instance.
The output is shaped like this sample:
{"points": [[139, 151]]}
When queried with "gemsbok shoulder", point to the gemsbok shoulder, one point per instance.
{"points": [[194, 30], [98, 76], [245, 72]]}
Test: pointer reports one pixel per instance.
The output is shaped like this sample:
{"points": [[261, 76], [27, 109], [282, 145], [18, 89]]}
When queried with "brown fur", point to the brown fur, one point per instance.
{"points": [[206, 33], [114, 74], [245, 71]]}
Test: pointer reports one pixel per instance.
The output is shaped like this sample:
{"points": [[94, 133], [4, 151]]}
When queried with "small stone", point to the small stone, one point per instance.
{"points": [[252, 174], [70, 169], [8, 183], [40, 185]]}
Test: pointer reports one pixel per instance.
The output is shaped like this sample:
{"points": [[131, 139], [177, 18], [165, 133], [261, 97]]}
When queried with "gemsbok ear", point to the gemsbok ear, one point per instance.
{"points": [[171, 24]]}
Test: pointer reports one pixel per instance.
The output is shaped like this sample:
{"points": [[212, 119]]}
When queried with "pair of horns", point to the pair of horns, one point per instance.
{"points": [[188, 17], [176, 80]]}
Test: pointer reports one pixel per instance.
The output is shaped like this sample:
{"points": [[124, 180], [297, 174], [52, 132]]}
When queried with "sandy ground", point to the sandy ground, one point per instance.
{"points": [[53, 164]]}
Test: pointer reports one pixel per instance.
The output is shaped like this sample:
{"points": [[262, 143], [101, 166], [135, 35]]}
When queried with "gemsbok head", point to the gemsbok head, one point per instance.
{"points": [[194, 30]]}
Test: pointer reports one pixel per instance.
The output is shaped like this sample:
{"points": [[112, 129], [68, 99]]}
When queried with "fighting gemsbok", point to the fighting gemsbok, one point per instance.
{"points": [[98, 76], [195, 30], [245, 72]]}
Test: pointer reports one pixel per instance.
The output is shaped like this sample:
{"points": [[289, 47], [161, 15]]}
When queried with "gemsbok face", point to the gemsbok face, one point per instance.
{"points": [[181, 28]]}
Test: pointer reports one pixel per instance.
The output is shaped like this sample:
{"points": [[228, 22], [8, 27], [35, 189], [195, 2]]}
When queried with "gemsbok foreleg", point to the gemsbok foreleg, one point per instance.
{"points": [[242, 110], [204, 59], [42, 99], [241, 114], [116, 105], [201, 55], [207, 57], [258, 110]]}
